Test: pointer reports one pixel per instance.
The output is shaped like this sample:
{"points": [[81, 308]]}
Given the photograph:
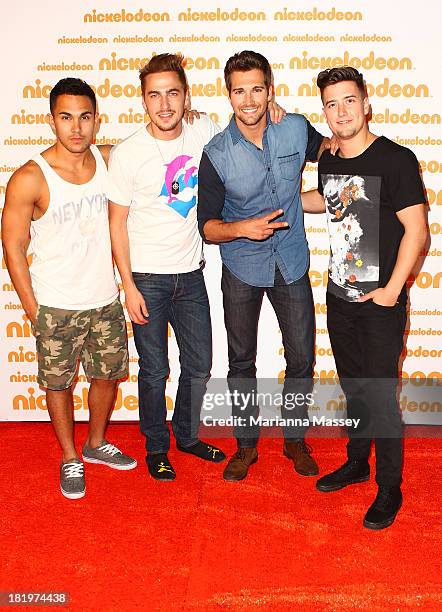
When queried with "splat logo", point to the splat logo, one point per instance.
{"points": [[180, 185]]}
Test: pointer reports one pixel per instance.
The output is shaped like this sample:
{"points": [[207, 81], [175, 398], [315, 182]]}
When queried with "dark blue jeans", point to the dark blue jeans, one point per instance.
{"points": [[181, 300], [293, 305]]}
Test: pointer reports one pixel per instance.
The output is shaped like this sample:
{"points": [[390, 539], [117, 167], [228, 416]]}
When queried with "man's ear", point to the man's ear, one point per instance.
{"points": [[187, 100], [271, 93], [97, 123], [366, 103], [51, 122]]}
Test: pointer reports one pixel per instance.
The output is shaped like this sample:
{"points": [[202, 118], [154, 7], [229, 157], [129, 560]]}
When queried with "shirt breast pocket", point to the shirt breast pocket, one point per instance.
{"points": [[289, 166]]}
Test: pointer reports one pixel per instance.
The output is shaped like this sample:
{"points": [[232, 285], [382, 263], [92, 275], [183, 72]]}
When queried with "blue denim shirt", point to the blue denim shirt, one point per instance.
{"points": [[256, 182]]}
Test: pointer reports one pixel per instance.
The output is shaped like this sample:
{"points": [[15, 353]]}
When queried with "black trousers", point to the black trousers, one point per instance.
{"points": [[367, 340]]}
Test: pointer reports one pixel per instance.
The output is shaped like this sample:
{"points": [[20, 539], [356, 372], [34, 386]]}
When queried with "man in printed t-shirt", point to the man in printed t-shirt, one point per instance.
{"points": [[158, 251], [373, 197]]}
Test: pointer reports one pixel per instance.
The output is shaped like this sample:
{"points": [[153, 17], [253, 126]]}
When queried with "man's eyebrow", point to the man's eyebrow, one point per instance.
{"points": [[345, 98], [151, 91], [86, 112]]}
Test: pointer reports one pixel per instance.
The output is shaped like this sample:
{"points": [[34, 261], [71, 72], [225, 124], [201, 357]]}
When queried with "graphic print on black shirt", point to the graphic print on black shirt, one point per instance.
{"points": [[352, 207]]}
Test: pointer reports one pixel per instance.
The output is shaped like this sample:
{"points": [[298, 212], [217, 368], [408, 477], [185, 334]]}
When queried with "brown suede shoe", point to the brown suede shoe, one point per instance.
{"points": [[239, 464], [300, 453]]}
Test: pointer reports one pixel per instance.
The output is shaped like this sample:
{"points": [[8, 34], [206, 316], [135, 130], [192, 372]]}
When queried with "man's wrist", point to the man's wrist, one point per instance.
{"points": [[392, 292], [129, 285]]}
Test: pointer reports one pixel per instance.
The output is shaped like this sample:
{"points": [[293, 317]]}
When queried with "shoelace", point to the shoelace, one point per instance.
{"points": [[110, 449], [73, 470]]}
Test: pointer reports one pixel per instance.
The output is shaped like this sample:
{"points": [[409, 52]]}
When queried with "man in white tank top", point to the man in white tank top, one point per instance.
{"points": [[69, 292]]}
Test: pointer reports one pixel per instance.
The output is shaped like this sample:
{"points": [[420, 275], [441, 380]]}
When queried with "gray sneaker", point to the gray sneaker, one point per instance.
{"points": [[110, 455], [72, 482]]}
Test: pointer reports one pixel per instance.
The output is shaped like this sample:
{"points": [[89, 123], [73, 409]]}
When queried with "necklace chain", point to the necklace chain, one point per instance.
{"points": [[175, 187], [158, 146]]}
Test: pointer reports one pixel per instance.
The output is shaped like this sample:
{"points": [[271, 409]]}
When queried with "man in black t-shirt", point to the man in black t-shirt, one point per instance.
{"points": [[373, 196]]}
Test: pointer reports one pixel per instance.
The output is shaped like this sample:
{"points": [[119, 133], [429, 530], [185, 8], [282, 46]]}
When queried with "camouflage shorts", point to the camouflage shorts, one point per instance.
{"points": [[97, 337]]}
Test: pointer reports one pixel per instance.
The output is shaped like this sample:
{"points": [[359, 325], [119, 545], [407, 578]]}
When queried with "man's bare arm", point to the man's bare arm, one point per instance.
{"points": [[312, 202], [413, 218], [135, 303], [22, 194]]}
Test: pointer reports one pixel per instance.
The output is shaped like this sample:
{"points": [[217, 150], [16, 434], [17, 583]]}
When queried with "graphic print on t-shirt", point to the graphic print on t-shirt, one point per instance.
{"points": [[352, 207], [180, 183]]}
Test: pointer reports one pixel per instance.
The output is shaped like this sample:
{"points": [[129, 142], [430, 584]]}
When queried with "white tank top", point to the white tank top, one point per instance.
{"points": [[72, 264]]}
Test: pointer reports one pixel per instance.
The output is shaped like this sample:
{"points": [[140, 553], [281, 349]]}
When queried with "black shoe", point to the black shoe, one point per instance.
{"points": [[383, 510], [352, 472], [203, 451], [159, 467]]}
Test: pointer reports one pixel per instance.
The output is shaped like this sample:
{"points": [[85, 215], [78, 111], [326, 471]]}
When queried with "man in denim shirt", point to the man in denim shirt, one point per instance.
{"points": [[250, 175]]}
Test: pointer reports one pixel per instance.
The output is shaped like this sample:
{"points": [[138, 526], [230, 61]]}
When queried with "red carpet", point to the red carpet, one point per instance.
{"points": [[271, 542]]}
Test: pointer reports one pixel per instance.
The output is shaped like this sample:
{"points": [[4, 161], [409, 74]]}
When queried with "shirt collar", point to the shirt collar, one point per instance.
{"points": [[235, 132]]}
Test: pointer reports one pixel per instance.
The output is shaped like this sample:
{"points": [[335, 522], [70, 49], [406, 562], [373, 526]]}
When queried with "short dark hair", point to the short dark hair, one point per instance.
{"points": [[336, 75], [245, 61], [165, 62], [72, 87]]}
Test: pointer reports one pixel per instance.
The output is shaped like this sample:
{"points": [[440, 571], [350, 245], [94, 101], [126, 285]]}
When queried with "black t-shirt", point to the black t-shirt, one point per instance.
{"points": [[362, 195]]}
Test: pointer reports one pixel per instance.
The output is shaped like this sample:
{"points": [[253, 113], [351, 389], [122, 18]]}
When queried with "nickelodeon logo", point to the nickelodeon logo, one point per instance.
{"points": [[383, 90], [14, 329], [434, 197], [136, 63], [421, 352], [319, 350], [370, 61], [435, 229], [424, 280], [24, 118], [19, 377], [106, 89], [22, 356], [432, 166], [31, 401], [412, 406], [417, 379]]}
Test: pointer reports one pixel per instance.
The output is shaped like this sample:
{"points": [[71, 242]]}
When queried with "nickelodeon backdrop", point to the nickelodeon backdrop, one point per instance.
{"points": [[106, 44]]}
